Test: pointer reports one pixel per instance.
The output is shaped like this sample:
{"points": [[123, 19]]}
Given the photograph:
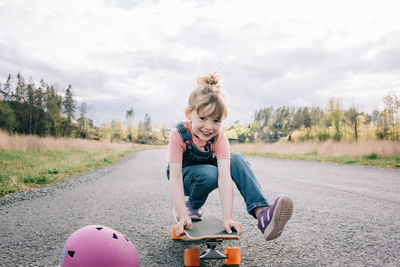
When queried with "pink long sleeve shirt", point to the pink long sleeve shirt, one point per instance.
{"points": [[177, 147]]}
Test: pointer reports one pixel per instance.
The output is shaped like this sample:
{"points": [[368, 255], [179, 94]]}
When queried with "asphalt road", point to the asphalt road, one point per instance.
{"points": [[343, 215]]}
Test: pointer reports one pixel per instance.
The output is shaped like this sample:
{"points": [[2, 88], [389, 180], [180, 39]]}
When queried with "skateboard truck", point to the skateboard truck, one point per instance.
{"points": [[231, 256], [192, 257], [211, 252]]}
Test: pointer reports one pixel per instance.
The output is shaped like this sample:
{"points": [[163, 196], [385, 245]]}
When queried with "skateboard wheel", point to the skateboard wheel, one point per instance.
{"points": [[192, 257], [233, 256], [173, 235]]}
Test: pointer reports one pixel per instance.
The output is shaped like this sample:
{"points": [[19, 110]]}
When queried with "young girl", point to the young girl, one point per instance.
{"points": [[200, 161]]}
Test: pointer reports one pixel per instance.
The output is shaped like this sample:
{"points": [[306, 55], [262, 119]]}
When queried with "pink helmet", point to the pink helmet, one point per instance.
{"points": [[96, 245]]}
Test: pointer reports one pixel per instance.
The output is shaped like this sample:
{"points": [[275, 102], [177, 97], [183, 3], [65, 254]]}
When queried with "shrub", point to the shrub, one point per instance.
{"points": [[372, 156], [35, 180], [53, 171]]}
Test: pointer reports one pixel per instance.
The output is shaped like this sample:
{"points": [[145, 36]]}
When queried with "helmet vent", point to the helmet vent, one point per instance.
{"points": [[71, 253], [115, 236], [99, 228], [126, 239]]}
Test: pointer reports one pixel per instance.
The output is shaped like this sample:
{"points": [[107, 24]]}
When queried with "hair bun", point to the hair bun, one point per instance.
{"points": [[209, 79]]}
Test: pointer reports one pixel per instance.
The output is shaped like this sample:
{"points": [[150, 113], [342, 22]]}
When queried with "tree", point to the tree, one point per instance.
{"points": [[147, 123], [301, 117], [241, 132], [381, 129], [391, 114], [7, 117], [145, 131], [30, 98], [30, 93], [278, 124], [69, 104], [53, 109], [129, 120], [83, 121], [116, 131], [7, 89], [52, 101], [352, 116], [20, 90], [317, 117], [335, 116], [39, 98]]}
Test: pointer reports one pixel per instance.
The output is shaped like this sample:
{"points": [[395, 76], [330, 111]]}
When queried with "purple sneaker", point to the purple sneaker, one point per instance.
{"points": [[195, 215], [272, 219]]}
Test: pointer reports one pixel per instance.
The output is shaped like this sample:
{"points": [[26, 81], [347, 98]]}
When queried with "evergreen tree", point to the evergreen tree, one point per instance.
{"points": [[7, 117], [53, 106], [40, 95], [147, 123], [129, 120], [69, 104], [83, 121], [30, 93], [317, 117], [300, 117], [30, 98], [21, 89], [39, 98], [7, 89], [53, 110], [129, 117]]}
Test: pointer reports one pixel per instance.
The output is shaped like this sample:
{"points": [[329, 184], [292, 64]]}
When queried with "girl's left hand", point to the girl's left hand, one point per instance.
{"points": [[229, 224]]}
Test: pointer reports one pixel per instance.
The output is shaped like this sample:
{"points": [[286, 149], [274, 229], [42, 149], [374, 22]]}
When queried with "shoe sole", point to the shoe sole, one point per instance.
{"points": [[282, 213]]}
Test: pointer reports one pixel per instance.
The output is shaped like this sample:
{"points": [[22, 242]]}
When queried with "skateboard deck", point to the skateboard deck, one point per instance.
{"points": [[210, 227]]}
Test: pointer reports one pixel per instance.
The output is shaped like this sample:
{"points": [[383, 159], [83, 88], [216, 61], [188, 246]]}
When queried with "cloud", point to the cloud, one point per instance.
{"points": [[119, 54]]}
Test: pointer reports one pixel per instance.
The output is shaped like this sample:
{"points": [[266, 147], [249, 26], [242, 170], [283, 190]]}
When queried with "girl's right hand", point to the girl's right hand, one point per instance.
{"points": [[179, 227], [229, 224]]}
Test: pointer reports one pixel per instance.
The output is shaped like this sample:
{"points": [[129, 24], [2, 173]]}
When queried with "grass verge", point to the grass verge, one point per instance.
{"points": [[24, 170], [378, 153], [372, 159]]}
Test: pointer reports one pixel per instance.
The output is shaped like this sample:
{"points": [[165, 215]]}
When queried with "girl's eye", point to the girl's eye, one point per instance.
{"points": [[217, 121], [202, 118]]}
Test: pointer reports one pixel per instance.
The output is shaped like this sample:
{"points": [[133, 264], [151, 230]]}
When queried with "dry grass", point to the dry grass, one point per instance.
{"points": [[40, 144], [328, 148], [28, 161]]}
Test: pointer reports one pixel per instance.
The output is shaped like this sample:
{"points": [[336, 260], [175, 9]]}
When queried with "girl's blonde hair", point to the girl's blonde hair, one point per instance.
{"points": [[208, 92]]}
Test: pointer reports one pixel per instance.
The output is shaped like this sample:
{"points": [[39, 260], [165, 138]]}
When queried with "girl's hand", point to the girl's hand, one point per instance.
{"points": [[186, 221], [228, 225]]}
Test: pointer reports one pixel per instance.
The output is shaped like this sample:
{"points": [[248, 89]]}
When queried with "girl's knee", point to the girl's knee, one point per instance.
{"points": [[207, 175], [237, 158]]}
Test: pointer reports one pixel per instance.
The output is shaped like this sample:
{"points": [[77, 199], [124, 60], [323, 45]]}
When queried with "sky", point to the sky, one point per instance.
{"points": [[147, 55]]}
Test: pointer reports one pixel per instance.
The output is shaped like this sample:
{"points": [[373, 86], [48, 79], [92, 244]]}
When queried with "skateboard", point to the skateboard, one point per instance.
{"points": [[211, 230]]}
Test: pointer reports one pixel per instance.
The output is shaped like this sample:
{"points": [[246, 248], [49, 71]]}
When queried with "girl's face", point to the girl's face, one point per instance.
{"points": [[203, 126]]}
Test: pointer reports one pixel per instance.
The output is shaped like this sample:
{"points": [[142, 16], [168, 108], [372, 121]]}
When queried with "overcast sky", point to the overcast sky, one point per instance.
{"points": [[119, 54]]}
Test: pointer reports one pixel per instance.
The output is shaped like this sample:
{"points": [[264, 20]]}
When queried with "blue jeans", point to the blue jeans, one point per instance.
{"points": [[200, 180]]}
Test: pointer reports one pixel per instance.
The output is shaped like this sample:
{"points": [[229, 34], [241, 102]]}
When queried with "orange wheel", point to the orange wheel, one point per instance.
{"points": [[173, 235], [233, 256], [192, 257]]}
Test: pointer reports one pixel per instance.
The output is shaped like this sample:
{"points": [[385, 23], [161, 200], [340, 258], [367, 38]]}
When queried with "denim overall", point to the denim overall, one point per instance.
{"points": [[200, 174]]}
